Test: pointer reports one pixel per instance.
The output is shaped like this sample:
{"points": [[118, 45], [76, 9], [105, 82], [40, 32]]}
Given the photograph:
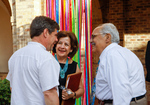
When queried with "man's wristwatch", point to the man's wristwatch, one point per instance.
{"points": [[74, 95]]}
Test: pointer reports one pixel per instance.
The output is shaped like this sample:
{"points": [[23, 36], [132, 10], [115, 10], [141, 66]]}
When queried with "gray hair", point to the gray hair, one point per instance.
{"points": [[112, 30]]}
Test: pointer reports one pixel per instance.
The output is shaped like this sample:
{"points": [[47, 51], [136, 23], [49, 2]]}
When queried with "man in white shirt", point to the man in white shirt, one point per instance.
{"points": [[120, 77], [33, 71]]}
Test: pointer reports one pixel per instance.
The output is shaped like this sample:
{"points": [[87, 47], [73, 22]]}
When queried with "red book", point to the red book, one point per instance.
{"points": [[72, 82]]}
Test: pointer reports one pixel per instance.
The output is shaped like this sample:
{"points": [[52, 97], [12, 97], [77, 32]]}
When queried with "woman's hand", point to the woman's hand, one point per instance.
{"points": [[65, 95]]}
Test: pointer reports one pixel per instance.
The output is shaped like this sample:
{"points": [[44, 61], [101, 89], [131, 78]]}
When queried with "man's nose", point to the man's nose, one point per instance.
{"points": [[91, 40], [56, 39]]}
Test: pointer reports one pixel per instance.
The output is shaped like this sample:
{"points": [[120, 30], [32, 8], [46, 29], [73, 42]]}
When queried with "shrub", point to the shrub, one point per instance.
{"points": [[5, 92]]}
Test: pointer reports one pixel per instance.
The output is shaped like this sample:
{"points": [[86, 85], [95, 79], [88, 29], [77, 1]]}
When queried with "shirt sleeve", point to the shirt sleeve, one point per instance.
{"points": [[118, 79], [49, 74], [9, 75]]}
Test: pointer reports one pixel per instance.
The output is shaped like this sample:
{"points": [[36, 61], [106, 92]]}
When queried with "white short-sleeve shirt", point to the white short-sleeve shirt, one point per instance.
{"points": [[32, 70], [120, 75]]}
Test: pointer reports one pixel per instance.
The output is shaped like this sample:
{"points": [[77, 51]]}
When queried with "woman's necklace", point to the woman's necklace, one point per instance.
{"points": [[63, 71]]}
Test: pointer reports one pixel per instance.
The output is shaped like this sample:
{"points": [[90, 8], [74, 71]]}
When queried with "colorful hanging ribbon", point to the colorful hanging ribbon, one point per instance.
{"points": [[76, 16]]}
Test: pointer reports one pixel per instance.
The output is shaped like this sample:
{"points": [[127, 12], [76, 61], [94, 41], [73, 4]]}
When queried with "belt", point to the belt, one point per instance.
{"points": [[105, 101], [111, 101], [137, 98]]}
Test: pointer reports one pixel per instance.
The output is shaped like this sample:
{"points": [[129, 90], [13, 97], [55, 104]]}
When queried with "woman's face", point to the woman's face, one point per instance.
{"points": [[63, 47]]}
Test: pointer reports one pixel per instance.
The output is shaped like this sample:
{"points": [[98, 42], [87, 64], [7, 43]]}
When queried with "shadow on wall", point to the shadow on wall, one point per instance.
{"points": [[140, 52], [6, 44]]}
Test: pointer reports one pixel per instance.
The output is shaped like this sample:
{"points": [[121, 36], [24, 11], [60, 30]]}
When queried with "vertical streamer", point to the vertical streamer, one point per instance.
{"points": [[54, 14], [84, 68], [52, 9], [89, 60], [90, 37], [64, 14], [76, 27], [79, 35], [86, 54], [76, 16], [70, 15], [60, 14], [57, 11], [73, 18], [47, 8]]}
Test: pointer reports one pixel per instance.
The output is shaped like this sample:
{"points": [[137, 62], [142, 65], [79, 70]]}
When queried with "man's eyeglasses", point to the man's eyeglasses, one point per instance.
{"points": [[93, 36]]}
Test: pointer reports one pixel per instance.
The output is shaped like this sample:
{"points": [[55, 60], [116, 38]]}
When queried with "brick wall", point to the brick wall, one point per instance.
{"points": [[112, 12], [23, 12], [137, 16]]}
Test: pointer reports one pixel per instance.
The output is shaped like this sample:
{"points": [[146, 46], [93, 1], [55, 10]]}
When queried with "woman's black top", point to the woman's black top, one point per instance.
{"points": [[71, 69]]}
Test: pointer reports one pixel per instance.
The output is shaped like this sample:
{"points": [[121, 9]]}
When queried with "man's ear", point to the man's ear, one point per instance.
{"points": [[45, 32], [108, 38]]}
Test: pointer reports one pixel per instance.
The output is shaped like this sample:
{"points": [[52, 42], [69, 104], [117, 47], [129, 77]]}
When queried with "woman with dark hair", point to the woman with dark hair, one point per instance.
{"points": [[66, 48]]}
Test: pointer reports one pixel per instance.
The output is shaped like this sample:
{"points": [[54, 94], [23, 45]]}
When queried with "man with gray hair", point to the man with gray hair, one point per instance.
{"points": [[120, 77]]}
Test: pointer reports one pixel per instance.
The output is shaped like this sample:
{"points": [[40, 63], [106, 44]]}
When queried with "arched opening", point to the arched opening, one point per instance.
{"points": [[6, 45]]}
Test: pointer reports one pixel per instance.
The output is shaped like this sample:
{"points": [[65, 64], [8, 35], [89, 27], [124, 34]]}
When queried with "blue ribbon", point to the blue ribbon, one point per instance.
{"points": [[57, 11], [92, 100]]}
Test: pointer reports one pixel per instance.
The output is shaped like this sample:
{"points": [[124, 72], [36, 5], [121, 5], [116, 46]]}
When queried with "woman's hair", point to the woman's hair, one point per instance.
{"points": [[73, 41]]}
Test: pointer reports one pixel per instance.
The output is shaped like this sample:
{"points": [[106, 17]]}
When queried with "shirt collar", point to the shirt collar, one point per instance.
{"points": [[104, 52], [38, 44]]}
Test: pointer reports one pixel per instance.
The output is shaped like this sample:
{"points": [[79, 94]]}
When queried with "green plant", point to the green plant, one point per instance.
{"points": [[5, 92]]}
